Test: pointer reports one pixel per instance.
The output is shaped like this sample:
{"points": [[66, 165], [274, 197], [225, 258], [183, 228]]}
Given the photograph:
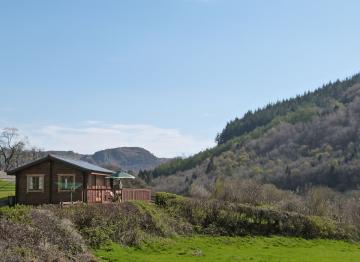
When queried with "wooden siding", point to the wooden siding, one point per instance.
{"points": [[24, 197], [50, 194], [61, 196]]}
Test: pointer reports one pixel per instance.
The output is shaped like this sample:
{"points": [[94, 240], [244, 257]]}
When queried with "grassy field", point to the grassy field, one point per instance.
{"points": [[6, 189], [234, 249]]}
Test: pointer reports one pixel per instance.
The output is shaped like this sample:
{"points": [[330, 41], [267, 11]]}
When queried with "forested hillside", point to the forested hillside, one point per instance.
{"points": [[311, 139]]}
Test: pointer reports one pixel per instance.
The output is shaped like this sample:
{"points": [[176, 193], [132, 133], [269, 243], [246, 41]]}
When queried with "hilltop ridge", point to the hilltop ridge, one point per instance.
{"points": [[126, 158]]}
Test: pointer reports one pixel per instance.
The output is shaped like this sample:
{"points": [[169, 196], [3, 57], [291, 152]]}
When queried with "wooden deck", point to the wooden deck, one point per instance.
{"points": [[101, 194]]}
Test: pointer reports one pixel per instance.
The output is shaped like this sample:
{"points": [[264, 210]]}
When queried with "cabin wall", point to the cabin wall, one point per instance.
{"points": [[44, 197], [24, 197], [60, 196]]}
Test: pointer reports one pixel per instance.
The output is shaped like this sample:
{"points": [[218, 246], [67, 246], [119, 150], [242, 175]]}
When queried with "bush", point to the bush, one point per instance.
{"points": [[162, 198], [231, 219], [20, 214], [35, 234], [129, 223], [95, 236], [59, 232]]}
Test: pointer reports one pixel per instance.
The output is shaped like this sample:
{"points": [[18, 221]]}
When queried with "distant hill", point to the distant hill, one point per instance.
{"points": [[311, 139], [126, 158]]}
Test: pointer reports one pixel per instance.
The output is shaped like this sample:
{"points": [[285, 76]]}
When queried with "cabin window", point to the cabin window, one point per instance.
{"points": [[92, 181], [100, 181], [35, 183], [66, 183]]}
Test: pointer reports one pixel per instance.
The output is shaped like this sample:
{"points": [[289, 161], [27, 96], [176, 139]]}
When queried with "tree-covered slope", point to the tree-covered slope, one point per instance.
{"points": [[312, 139], [323, 97]]}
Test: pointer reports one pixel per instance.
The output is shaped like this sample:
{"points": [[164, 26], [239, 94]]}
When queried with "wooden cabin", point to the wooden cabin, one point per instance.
{"points": [[47, 180]]}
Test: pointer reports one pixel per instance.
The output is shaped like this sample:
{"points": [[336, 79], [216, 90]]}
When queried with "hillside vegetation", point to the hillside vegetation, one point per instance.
{"points": [[309, 140], [49, 233]]}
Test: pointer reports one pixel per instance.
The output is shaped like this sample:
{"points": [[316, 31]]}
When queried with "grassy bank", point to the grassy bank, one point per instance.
{"points": [[174, 228], [204, 248], [6, 189]]}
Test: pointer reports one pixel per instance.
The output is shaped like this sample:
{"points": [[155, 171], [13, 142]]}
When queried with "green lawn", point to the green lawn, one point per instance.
{"points": [[6, 189], [234, 249]]}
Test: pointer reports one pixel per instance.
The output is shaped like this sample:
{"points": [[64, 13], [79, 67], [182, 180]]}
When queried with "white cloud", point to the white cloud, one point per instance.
{"points": [[92, 136]]}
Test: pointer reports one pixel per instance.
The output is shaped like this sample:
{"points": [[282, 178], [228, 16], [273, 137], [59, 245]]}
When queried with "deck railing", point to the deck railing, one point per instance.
{"points": [[99, 194], [135, 194], [102, 194]]}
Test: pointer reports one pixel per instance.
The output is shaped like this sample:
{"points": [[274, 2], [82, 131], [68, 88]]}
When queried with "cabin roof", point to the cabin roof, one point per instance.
{"points": [[79, 164]]}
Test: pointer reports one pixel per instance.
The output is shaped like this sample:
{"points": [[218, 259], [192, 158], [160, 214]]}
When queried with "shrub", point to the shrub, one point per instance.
{"points": [[95, 236], [129, 223], [20, 214], [162, 198], [59, 232], [231, 219], [34, 234]]}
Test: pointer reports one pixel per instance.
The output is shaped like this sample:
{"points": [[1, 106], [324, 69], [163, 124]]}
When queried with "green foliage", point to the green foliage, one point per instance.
{"points": [[230, 219], [162, 198], [96, 236], [303, 114], [329, 229], [130, 223], [20, 214]]}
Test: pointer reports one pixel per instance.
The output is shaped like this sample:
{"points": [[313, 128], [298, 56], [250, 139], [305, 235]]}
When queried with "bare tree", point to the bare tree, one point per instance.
{"points": [[35, 153], [11, 147]]}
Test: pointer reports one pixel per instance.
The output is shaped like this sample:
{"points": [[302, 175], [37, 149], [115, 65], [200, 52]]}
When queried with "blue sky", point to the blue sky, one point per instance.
{"points": [[162, 74]]}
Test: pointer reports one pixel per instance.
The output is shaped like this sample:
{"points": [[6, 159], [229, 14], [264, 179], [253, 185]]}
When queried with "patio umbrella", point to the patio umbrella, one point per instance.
{"points": [[121, 175]]}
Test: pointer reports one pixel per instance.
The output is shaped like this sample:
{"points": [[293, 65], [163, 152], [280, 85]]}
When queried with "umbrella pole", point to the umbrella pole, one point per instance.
{"points": [[121, 191]]}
